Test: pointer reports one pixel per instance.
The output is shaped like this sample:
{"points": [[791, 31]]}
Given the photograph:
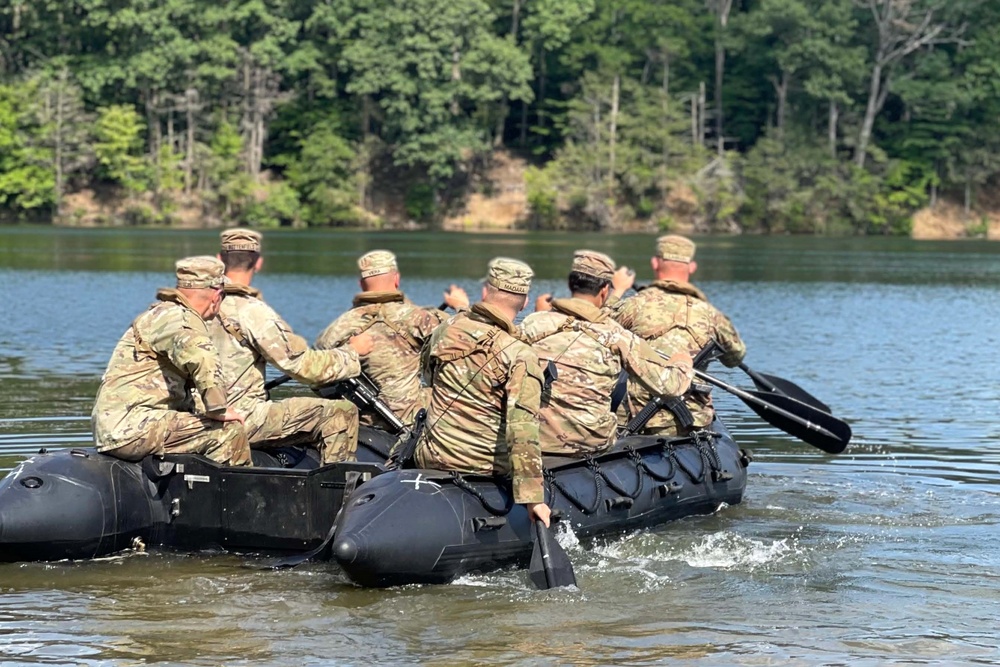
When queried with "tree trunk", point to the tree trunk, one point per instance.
{"points": [[60, 189], [720, 66], [366, 158], [933, 194], [701, 114], [831, 128], [874, 92], [613, 139], [190, 101], [781, 89], [666, 108], [694, 120], [541, 87], [968, 195], [456, 76], [498, 132]]}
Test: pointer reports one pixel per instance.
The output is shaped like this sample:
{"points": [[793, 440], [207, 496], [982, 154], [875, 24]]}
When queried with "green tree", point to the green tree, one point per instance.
{"points": [[118, 147]]}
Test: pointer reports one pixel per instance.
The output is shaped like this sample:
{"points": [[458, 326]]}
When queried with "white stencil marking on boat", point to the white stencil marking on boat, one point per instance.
{"points": [[420, 479]]}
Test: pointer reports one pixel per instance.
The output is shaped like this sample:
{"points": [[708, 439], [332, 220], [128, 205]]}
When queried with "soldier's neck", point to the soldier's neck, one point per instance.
{"points": [[502, 316], [240, 277]]}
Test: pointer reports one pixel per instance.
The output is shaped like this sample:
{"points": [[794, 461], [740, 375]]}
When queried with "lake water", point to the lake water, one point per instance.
{"points": [[888, 553]]}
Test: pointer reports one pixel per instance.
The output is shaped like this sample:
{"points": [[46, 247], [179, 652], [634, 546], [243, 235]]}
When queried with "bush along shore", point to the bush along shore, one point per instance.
{"points": [[758, 116]]}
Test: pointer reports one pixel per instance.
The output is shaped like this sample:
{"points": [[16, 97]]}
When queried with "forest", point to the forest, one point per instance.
{"points": [[762, 116]]}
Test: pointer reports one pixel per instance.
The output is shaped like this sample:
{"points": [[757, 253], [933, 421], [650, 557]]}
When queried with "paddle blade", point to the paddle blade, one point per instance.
{"points": [[550, 566], [810, 425], [789, 388]]}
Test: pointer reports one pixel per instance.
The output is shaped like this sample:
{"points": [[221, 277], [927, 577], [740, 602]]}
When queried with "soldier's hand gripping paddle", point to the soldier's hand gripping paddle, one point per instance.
{"points": [[550, 566]]}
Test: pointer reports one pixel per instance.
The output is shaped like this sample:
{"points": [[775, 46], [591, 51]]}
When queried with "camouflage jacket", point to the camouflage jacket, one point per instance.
{"points": [[399, 330], [673, 317], [485, 389], [163, 355], [254, 336], [589, 350]]}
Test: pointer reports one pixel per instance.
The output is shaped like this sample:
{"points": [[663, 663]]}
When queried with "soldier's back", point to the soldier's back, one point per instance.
{"points": [[398, 330], [470, 360]]}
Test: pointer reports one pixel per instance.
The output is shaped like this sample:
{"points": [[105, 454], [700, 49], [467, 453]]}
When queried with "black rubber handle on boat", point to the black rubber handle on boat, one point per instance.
{"points": [[807, 423]]}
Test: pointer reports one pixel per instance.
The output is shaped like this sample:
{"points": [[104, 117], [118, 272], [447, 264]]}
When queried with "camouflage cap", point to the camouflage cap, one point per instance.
{"points": [[675, 248], [592, 263], [509, 275], [377, 262], [199, 272], [240, 239]]}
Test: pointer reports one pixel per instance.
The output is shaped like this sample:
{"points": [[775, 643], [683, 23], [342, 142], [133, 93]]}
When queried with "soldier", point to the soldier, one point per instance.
{"points": [[589, 350], [399, 330], [674, 316], [485, 388], [144, 405], [255, 335]]}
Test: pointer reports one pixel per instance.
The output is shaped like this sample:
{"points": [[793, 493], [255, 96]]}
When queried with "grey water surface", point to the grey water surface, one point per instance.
{"points": [[886, 554]]}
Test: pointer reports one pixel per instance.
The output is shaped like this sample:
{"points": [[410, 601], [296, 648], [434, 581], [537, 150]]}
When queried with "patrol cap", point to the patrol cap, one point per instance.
{"points": [[240, 238], [509, 275], [199, 272], [377, 262], [675, 248], [592, 263]]}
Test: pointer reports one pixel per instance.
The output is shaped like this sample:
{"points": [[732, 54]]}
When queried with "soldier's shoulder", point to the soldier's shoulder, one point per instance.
{"points": [[543, 320]]}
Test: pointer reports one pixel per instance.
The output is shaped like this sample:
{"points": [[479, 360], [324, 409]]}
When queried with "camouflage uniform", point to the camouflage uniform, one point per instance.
{"points": [[253, 335], [144, 404], [399, 330], [589, 350], [675, 316], [485, 392]]}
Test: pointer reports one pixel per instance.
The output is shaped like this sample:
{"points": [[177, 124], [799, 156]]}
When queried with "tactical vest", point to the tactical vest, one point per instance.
{"points": [[369, 320]]}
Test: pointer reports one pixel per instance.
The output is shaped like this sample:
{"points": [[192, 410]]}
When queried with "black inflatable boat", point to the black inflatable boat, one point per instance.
{"points": [[76, 504], [424, 526]]}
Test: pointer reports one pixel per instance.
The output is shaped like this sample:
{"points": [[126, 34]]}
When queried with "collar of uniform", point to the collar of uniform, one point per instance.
{"points": [[679, 288], [390, 296], [238, 289], [171, 294], [492, 314], [580, 309]]}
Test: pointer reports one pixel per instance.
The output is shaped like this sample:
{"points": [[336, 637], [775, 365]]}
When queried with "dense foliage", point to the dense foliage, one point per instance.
{"points": [[815, 116]]}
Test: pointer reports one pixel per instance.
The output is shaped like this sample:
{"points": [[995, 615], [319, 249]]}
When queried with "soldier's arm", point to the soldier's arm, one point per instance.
{"points": [[665, 377], [524, 393], [185, 340], [276, 341], [424, 321], [623, 312], [727, 337]]}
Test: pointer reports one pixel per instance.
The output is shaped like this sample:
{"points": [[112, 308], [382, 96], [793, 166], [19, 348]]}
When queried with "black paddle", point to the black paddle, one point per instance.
{"points": [[775, 384], [550, 566], [807, 423]]}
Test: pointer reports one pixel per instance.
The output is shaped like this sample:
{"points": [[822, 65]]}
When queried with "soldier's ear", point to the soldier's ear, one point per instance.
{"points": [[396, 281], [259, 264], [654, 262], [692, 267]]}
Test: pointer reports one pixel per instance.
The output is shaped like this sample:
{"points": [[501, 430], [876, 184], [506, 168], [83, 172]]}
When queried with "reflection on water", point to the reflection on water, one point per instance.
{"points": [[887, 553]]}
